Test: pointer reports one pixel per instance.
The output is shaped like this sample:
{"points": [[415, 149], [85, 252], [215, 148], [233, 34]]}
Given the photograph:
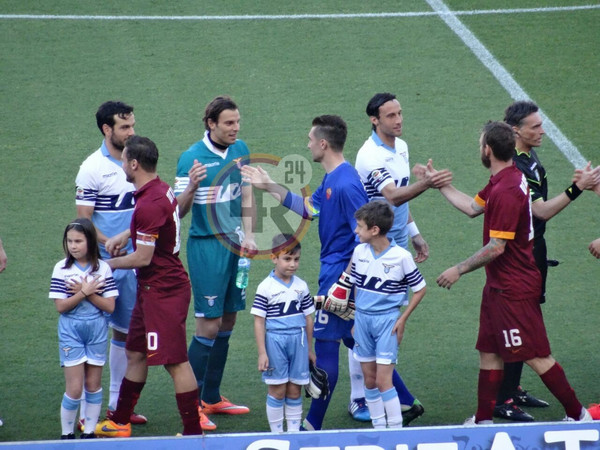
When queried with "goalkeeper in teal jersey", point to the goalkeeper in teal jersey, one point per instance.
{"points": [[208, 183]]}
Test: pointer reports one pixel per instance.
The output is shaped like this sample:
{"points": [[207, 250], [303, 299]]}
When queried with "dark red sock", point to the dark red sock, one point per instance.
{"points": [[487, 390], [556, 381], [187, 402], [128, 397]]}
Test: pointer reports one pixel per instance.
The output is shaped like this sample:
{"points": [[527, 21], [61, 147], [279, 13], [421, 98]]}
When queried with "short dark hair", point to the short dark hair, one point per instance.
{"points": [[375, 103], [377, 213], [108, 110], [333, 129], [86, 227], [215, 107], [285, 243], [144, 151], [515, 113], [501, 139]]}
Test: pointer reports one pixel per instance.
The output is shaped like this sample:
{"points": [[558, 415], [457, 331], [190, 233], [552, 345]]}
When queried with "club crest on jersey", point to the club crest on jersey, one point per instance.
{"points": [[387, 267], [237, 162], [210, 299], [328, 193]]}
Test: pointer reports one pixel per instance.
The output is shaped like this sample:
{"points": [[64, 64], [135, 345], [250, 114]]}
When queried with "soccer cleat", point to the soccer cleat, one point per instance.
{"points": [[416, 410], [594, 410], [134, 419], [205, 423], [470, 422], [522, 398], [108, 428], [584, 417], [87, 436], [67, 436], [224, 407], [509, 411], [359, 411]]}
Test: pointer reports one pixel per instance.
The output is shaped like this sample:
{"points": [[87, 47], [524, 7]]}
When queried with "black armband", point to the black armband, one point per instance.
{"points": [[573, 192]]}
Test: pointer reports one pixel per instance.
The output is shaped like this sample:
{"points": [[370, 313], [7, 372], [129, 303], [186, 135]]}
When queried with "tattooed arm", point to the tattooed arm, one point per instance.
{"points": [[493, 249]]}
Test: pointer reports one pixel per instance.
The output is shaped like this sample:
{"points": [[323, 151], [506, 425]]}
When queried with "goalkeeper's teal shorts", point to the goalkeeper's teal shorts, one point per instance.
{"points": [[212, 268]]}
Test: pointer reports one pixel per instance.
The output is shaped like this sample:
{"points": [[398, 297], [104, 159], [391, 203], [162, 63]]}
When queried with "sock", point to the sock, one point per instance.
{"points": [[328, 359], [275, 414], [198, 355], [556, 381], [487, 391], [391, 405], [68, 413], [376, 408], [511, 381], [357, 380], [406, 398], [82, 406], [92, 412], [118, 366], [293, 413], [128, 397], [216, 366], [187, 403]]}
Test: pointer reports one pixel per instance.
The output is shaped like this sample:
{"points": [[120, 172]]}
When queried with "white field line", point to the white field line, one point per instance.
{"points": [[506, 80], [439, 9], [300, 16]]}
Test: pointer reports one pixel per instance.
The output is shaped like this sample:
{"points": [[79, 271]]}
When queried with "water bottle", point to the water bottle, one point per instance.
{"points": [[241, 278]]}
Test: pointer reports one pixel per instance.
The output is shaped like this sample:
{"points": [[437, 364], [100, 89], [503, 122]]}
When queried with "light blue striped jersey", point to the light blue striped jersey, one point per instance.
{"points": [[283, 305], [101, 183], [379, 165], [59, 287], [381, 281]]}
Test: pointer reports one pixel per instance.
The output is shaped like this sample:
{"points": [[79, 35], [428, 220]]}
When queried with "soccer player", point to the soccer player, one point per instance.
{"points": [[334, 202], [283, 327], [526, 122], [511, 326], [381, 272], [157, 334], [104, 196], [208, 183], [382, 163]]}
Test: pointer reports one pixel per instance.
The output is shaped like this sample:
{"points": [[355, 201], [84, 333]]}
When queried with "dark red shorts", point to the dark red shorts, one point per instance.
{"points": [[157, 325], [513, 328]]}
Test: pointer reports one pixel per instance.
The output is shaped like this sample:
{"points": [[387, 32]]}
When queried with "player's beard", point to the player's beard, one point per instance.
{"points": [[485, 160], [119, 145]]}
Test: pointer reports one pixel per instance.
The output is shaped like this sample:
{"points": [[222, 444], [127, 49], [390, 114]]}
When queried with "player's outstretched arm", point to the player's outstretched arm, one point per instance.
{"points": [[494, 248]]}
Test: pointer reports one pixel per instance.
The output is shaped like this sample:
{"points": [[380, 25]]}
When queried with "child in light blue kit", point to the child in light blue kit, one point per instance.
{"points": [[283, 326], [381, 272], [83, 288]]}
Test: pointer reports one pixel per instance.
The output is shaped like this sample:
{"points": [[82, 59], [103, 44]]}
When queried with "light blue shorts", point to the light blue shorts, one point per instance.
{"points": [[373, 338], [127, 286], [82, 341], [288, 357]]}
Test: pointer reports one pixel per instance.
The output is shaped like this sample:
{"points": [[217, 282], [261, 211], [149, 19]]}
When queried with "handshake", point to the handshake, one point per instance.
{"points": [[337, 300]]}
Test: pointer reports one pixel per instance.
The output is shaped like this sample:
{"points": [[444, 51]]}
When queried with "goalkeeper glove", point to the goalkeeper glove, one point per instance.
{"points": [[338, 294]]}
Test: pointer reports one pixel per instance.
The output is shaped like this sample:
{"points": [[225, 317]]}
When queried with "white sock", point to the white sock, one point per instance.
{"points": [[293, 413], [357, 380], [275, 414], [118, 366], [68, 413], [376, 409], [92, 412], [82, 406], [391, 404]]}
